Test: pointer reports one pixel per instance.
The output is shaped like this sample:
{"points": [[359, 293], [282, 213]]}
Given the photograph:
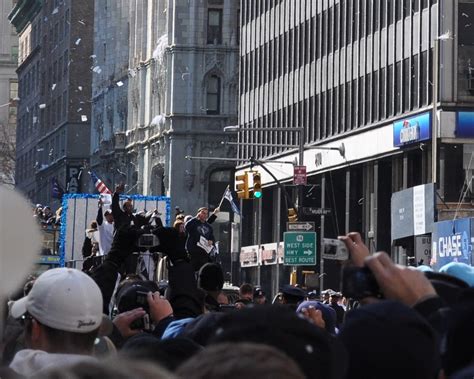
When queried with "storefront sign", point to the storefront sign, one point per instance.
{"points": [[412, 211], [465, 125], [412, 130], [451, 242]]}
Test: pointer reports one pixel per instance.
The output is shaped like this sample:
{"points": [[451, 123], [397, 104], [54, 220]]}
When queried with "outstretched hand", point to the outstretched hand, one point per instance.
{"points": [[358, 251], [119, 188]]}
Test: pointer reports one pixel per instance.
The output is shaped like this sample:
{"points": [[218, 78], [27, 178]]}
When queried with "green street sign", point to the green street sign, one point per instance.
{"points": [[300, 248]]}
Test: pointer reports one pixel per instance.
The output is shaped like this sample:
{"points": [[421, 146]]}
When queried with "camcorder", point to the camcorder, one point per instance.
{"points": [[335, 249], [148, 240], [227, 307], [359, 282]]}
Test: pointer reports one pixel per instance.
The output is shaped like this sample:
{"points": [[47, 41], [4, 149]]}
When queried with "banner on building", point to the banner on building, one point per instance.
{"points": [[79, 210], [73, 176], [411, 130], [452, 241], [412, 211], [266, 254]]}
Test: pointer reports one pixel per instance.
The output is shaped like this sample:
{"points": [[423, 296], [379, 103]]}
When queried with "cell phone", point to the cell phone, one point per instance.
{"points": [[148, 240], [359, 282], [143, 323], [335, 249]]}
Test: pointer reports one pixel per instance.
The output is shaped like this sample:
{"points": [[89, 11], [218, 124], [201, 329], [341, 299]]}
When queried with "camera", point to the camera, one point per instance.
{"points": [[334, 249], [359, 282], [148, 240]]}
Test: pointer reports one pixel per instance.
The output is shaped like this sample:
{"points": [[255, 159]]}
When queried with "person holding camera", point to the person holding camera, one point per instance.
{"points": [[200, 240]]}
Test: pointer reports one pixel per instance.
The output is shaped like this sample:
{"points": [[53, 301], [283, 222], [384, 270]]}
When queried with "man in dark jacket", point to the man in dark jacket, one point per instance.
{"points": [[200, 241]]}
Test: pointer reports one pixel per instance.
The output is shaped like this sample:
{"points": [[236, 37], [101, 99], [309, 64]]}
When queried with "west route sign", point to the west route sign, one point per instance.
{"points": [[300, 248]]}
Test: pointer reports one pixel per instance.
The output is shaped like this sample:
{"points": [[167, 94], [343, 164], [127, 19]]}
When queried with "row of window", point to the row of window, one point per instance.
{"points": [[38, 157], [399, 8], [383, 94], [315, 38], [46, 118]]}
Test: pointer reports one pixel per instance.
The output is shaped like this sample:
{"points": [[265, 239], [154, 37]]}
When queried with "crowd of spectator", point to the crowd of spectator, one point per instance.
{"points": [[70, 324]]}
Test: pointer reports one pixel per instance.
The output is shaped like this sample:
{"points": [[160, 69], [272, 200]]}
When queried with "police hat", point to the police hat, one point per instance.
{"points": [[290, 290]]}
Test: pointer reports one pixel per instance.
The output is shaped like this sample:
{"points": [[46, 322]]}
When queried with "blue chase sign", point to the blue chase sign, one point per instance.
{"points": [[451, 242], [411, 130], [465, 125]]}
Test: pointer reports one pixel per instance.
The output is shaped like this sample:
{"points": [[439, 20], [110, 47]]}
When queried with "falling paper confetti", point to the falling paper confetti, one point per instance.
{"points": [[53, 87], [119, 84], [465, 15], [80, 109], [81, 22], [93, 56], [79, 88], [83, 118], [42, 106], [35, 119], [445, 36], [78, 41], [55, 10], [97, 69]]}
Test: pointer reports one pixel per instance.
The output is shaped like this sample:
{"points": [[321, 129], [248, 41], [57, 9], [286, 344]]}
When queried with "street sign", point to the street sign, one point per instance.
{"points": [[305, 226], [299, 175], [299, 248], [308, 211]]}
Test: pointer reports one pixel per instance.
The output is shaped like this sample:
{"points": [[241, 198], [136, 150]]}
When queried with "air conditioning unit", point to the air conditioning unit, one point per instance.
{"points": [[119, 140]]}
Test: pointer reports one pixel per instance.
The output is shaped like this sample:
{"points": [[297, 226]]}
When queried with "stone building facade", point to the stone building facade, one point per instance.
{"points": [[54, 75], [8, 95], [183, 90]]}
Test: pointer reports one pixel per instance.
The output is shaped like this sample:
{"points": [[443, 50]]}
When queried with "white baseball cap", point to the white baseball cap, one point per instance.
{"points": [[64, 299]]}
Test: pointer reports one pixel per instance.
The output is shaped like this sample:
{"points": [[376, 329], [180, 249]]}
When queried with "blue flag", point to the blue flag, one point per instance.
{"points": [[228, 196]]}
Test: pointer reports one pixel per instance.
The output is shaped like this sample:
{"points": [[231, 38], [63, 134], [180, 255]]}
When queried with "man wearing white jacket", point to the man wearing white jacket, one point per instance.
{"points": [[62, 314]]}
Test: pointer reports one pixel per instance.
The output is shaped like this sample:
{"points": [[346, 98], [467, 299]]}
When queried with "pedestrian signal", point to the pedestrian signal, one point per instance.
{"points": [[292, 215], [257, 185], [242, 188]]}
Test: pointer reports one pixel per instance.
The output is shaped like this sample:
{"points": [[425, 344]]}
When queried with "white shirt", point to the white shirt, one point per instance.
{"points": [[106, 236]]}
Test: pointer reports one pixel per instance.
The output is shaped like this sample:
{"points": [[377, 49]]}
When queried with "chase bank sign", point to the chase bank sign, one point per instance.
{"points": [[412, 130]]}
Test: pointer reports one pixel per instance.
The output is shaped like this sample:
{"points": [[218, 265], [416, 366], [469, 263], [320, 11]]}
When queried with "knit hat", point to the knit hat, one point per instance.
{"points": [[460, 270], [318, 354], [329, 314], [211, 277], [387, 332]]}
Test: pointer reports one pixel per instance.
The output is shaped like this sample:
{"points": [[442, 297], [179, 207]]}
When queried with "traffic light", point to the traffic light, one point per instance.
{"points": [[257, 185], [292, 215], [242, 188]]}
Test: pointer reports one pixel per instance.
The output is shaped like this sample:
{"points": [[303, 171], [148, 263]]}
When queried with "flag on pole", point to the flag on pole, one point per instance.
{"points": [[99, 184], [57, 191], [228, 196]]}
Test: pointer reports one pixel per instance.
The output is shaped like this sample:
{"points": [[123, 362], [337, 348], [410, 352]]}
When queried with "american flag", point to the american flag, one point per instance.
{"points": [[99, 184]]}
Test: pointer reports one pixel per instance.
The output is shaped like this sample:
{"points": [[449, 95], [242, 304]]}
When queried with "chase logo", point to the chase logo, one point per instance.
{"points": [[411, 130]]}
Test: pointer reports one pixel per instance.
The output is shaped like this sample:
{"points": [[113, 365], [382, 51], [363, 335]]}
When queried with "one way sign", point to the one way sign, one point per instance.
{"points": [[305, 226]]}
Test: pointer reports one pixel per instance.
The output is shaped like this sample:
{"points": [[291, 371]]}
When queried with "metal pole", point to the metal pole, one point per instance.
{"points": [[434, 136], [321, 259], [278, 226], [299, 199], [259, 239]]}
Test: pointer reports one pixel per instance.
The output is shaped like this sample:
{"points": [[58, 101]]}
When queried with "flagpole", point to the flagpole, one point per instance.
{"points": [[223, 196]]}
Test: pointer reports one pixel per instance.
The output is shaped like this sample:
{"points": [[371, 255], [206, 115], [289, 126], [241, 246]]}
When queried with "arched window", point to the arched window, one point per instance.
{"points": [[213, 94]]}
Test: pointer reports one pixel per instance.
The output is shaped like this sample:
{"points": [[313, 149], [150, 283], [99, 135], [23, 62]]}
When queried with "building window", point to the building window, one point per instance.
{"points": [[214, 26], [13, 90], [213, 95]]}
